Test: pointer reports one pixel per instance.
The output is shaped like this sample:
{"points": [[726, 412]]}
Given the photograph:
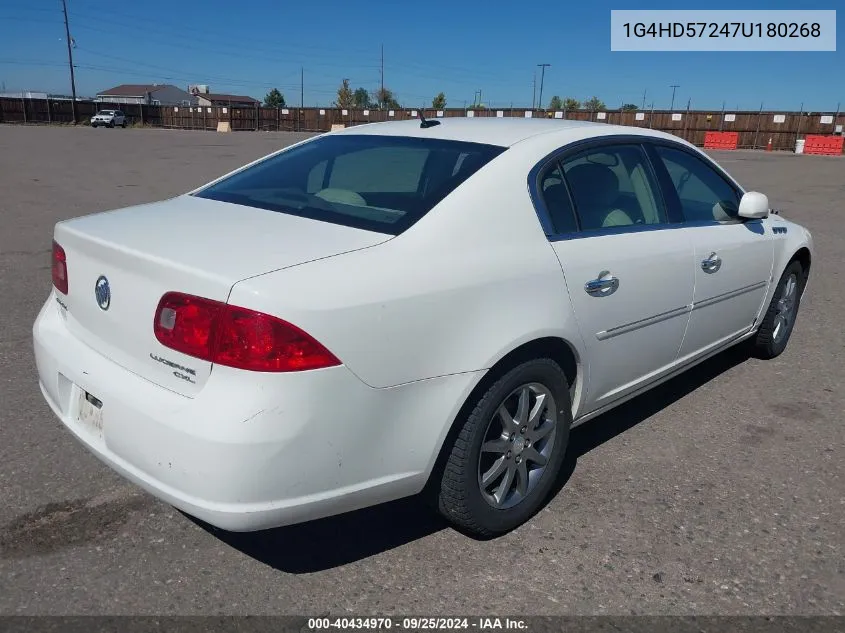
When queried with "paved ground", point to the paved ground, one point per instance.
{"points": [[720, 493]]}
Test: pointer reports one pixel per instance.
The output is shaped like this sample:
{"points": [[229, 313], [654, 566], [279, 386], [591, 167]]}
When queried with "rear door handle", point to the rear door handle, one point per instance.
{"points": [[604, 285], [712, 264]]}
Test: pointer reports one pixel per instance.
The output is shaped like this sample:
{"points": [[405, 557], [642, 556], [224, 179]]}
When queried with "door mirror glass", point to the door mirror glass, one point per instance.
{"points": [[754, 205]]}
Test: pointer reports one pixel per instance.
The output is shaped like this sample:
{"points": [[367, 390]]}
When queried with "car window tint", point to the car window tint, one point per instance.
{"points": [[316, 177], [613, 186], [557, 201], [379, 169], [704, 194], [377, 183]]}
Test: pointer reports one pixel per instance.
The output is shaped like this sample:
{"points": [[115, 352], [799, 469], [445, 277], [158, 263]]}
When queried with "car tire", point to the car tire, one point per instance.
{"points": [[94, 125], [487, 509], [123, 125], [779, 320], [111, 125]]}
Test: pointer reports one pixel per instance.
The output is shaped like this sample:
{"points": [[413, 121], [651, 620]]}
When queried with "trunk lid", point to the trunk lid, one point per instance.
{"points": [[187, 244]]}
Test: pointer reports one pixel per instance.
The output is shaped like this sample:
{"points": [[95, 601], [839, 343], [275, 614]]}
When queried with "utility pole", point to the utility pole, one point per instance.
{"points": [[381, 95], [301, 96], [70, 63], [673, 87], [542, 77], [644, 92], [534, 93]]}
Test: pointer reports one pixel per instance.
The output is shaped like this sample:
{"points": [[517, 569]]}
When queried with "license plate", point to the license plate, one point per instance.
{"points": [[90, 414]]}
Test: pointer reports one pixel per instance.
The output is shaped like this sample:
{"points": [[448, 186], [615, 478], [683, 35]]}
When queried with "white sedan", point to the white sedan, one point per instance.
{"points": [[404, 307]]}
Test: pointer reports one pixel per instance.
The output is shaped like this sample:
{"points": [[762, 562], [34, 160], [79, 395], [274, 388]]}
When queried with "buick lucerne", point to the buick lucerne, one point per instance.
{"points": [[404, 307]]}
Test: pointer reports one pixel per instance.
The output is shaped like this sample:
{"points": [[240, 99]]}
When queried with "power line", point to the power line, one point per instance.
{"points": [[34, 62], [190, 74], [203, 40]]}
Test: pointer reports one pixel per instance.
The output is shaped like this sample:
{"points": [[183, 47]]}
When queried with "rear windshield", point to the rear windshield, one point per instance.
{"points": [[376, 183]]}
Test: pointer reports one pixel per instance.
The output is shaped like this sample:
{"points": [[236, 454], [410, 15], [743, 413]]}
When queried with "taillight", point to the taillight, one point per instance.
{"points": [[59, 268], [236, 337]]}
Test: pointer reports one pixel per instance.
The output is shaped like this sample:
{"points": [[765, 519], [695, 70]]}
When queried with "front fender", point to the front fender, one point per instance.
{"points": [[789, 239]]}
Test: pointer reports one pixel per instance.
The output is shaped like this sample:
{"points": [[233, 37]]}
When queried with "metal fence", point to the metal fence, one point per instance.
{"points": [[755, 128]]}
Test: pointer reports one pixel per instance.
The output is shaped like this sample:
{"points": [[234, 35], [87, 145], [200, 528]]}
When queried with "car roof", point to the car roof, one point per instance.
{"points": [[501, 131]]}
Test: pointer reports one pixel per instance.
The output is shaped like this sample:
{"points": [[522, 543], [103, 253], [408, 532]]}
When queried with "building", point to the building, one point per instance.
{"points": [[147, 94], [26, 94], [231, 101]]}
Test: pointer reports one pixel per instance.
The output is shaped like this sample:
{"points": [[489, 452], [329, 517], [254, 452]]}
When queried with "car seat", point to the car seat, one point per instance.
{"points": [[596, 192]]}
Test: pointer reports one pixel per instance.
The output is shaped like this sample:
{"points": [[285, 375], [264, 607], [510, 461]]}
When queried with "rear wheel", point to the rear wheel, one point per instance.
{"points": [[509, 450], [123, 125], [779, 319]]}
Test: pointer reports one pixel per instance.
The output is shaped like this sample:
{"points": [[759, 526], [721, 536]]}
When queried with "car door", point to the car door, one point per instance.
{"points": [[627, 266], [733, 256]]}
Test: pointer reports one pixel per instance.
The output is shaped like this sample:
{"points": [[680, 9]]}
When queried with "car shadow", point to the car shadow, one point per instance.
{"points": [[339, 540]]}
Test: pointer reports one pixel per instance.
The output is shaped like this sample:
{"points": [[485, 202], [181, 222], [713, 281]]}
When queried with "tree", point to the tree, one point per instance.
{"points": [[555, 103], [593, 104], [361, 98], [439, 102], [629, 107], [345, 97], [385, 99], [571, 104], [274, 99]]}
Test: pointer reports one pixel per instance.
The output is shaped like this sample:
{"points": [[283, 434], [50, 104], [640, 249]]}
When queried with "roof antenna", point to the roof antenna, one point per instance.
{"points": [[425, 123]]}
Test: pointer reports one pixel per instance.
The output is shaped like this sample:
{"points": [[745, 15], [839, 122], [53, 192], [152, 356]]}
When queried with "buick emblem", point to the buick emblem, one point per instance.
{"points": [[102, 292]]}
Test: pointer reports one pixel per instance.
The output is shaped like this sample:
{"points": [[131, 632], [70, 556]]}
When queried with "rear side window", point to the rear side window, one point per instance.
{"points": [[376, 183], [557, 200], [613, 187]]}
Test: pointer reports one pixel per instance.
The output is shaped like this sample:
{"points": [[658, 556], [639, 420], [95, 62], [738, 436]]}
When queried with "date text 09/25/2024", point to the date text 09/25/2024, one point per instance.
{"points": [[417, 624]]}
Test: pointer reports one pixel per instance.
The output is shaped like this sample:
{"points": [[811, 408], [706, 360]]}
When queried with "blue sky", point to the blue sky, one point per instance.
{"points": [[457, 47]]}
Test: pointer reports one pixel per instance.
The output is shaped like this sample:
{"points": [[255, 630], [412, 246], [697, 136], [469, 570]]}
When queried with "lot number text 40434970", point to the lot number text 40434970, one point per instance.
{"points": [[481, 624]]}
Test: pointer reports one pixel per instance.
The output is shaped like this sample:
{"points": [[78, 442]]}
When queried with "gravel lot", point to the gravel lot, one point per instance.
{"points": [[722, 492]]}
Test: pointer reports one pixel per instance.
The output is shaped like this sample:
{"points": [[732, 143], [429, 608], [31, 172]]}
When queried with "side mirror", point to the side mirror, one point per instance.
{"points": [[754, 206]]}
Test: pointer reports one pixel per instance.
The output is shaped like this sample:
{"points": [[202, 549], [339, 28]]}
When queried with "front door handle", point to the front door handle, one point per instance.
{"points": [[604, 285], [712, 264]]}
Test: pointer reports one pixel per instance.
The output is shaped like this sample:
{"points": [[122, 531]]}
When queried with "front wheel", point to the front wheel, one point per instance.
{"points": [[111, 125], [94, 125], [123, 125], [777, 324], [509, 451]]}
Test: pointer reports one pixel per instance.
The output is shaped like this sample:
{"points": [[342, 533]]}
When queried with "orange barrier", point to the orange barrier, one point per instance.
{"points": [[827, 145], [721, 140]]}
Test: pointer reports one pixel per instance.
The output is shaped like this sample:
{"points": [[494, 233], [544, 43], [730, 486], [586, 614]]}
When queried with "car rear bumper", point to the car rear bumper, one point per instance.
{"points": [[251, 451]]}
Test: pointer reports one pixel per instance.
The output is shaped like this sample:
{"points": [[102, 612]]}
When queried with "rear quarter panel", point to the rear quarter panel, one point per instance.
{"points": [[470, 282]]}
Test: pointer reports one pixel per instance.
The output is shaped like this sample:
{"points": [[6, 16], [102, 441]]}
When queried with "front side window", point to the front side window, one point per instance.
{"points": [[376, 183], [613, 186], [704, 195]]}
